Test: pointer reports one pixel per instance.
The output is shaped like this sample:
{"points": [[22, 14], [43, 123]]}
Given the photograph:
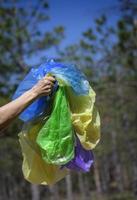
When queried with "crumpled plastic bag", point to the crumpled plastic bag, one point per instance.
{"points": [[35, 169], [56, 137], [37, 108], [42, 161], [85, 117], [83, 159], [67, 73]]}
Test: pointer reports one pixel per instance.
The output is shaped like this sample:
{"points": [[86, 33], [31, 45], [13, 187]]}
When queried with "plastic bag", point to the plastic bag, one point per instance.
{"points": [[85, 118], [67, 73], [35, 169], [37, 108], [83, 159], [56, 138]]}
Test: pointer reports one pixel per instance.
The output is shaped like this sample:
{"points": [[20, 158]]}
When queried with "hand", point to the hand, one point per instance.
{"points": [[44, 86]]}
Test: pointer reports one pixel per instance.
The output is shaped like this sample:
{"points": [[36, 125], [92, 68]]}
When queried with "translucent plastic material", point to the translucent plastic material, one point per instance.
{"points": [[62, 141], [83, 159], [67, 73], [56, 138], [85, 118], [35, 169], [37, 108]]}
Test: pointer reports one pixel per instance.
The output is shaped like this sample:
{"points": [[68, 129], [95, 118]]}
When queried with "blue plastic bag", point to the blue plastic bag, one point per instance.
{"points": [[68, 73]]}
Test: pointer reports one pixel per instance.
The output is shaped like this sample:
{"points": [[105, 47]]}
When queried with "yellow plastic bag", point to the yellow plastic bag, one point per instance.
{"points": [[35, 170], [85, 118]]}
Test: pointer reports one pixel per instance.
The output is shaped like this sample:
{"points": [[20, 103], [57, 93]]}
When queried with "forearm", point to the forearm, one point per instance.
{"points": [[10, 111]]}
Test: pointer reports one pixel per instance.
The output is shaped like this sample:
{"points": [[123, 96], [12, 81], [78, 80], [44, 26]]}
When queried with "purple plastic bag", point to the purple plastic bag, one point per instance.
{"points": [[83, 159]]}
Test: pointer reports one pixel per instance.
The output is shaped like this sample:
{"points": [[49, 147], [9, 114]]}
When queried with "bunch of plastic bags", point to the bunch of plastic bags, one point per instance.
{"points": [[59, 130]]}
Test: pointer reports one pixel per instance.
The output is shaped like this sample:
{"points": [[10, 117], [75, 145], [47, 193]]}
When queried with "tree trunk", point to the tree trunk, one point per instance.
{"points": [[54, 192], [69, 187], [81, 186], [97, 178], [87, 188], [105, 174], [134, 168], [35, 194], [116, 164]]}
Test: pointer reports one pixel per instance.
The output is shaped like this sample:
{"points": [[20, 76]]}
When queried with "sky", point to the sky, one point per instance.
{"points": [[77, 16]]}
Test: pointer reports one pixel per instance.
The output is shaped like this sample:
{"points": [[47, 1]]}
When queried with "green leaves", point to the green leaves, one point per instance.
{"points": [[101, 21], [89, 34], [22, 35]]}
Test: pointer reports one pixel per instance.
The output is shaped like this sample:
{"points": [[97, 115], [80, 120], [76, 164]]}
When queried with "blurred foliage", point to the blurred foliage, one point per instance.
{"points": [[22, 35]]}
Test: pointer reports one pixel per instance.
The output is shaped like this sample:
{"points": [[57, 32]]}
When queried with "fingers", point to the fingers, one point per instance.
{"points": [[44, 86], [47, 82], [48, 87], [50, 78], [48, 92]]}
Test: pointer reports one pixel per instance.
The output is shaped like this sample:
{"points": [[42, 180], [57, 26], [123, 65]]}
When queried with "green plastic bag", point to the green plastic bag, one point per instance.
{"points": [[56, 138]]}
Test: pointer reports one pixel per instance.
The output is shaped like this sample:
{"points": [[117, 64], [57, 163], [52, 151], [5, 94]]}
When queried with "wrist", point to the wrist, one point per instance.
{"points": [[33, 93]]}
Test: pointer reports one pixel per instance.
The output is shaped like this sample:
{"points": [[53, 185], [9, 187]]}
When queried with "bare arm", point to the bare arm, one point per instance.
{"points": [[11, 110]]}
